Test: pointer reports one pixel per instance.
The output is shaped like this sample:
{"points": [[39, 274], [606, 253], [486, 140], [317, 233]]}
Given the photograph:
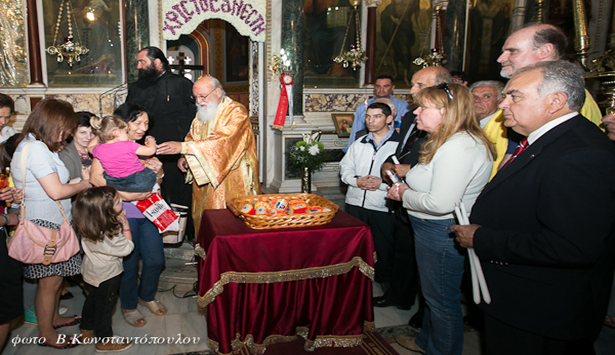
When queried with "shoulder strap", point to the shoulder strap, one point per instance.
{"points": [[24, 163]]}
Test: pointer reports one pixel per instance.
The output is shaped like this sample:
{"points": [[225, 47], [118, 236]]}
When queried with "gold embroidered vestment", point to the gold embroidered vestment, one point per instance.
{"points": [[221, 155]]}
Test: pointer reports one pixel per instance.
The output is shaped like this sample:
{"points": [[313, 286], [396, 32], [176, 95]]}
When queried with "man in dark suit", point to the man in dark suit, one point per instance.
{"points": [[544, 227]]}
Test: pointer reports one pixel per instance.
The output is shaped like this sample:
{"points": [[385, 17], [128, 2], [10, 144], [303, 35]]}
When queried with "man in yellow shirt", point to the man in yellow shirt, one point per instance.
{"points": [[487, 95]]}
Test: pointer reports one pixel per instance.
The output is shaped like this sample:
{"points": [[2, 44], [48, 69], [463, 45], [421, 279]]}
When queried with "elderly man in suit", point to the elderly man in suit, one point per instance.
{"points": [[544, 227]]}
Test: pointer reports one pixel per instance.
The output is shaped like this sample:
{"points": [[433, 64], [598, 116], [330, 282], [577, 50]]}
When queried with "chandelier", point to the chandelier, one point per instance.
{"points": [[436, 57], [355, 56], [70, 49]]}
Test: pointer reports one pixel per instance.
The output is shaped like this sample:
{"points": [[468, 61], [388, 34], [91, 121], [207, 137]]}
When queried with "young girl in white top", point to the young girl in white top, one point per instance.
{"points": [[120, 156], [106, 239]]}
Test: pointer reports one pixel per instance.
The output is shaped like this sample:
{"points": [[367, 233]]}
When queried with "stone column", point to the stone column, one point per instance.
{"points": [[370, 42], [34, 45], [454, 34], [137, 34], [292, 43], [518, 14]]}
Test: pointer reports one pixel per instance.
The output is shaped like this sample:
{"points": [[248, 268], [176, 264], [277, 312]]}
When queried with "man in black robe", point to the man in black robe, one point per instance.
{"points": [[168, 98]]}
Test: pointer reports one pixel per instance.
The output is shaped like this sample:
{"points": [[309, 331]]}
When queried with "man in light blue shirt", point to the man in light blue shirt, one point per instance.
{"points": [[383, 88]]}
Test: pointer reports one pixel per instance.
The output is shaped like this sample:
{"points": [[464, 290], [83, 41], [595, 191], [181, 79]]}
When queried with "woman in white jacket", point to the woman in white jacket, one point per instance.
{"points": [[366, 195], [454, 165]]}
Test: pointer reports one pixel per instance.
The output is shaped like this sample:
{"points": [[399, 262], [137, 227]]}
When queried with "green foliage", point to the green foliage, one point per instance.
{"points": [[308, 153]]}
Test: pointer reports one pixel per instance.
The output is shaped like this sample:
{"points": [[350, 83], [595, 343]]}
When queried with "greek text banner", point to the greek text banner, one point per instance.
{"points": [[183, 16]]}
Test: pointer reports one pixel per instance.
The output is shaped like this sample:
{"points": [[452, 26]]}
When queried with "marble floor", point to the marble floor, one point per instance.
{"points": [[182, 321], [391, 316]]}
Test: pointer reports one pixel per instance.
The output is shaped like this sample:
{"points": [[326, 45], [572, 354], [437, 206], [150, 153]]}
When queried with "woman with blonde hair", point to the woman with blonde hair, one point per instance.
{"points": [[454, 165]]}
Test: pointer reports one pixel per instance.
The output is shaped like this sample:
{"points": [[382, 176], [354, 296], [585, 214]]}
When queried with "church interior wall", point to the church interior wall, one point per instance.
{"points": [[317, 105]]}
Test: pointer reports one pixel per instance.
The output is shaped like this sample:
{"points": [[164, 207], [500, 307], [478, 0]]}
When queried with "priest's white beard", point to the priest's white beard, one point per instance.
{"points": [[207, 113]]}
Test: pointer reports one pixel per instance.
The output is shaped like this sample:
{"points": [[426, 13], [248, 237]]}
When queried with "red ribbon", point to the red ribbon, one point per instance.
{"points": [[280, 115]]}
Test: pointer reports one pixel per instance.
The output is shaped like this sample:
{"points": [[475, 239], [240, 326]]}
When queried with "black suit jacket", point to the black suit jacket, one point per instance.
{"points": [[547, 245], [409, 153]]}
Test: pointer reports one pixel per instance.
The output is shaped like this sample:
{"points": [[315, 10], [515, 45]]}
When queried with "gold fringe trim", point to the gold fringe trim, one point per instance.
{"points": [[333, 341], [338, 341], [213, 345], [199, 251], [282, 276], [369, 327]]}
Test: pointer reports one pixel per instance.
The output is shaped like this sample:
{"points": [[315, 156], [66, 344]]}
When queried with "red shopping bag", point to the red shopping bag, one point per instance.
{"points": [[156, 209]]}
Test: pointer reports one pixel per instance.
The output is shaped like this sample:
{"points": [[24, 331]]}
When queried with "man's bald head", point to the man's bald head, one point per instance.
{"points": [[532, 44], [208, 93], [208, 82], [427, 77]]}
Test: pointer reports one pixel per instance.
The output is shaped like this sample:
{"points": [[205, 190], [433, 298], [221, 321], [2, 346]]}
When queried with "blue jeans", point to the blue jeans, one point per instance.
{"points": [[148, 244], [141, 181], [440, 262]]}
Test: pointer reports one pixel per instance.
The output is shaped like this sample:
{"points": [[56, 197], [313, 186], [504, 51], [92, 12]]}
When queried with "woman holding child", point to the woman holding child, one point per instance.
{"points": [[454, 165], [145, 236]]}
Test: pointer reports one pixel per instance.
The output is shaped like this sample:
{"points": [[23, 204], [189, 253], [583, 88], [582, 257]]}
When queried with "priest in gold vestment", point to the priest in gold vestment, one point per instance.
{"points": [[219, 150]]}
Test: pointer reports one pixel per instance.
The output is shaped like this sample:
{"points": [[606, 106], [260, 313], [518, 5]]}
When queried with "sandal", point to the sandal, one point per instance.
{"points": [[154, 306], [133, 317], [71, 343], [76, 320]]}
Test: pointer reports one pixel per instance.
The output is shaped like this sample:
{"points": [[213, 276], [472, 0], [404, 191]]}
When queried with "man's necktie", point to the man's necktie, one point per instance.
{"points": [[520, 148], [411, 139]]}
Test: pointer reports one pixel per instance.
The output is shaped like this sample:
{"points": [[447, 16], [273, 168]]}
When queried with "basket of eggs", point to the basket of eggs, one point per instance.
{"points": [[283, 210]]}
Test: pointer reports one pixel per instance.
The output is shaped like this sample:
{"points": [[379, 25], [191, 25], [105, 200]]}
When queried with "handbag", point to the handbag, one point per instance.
{"points": [[34, 244]]}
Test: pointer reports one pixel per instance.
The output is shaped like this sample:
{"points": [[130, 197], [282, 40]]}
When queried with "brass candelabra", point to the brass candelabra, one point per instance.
{"points": [[355, 56], [70, 49]]}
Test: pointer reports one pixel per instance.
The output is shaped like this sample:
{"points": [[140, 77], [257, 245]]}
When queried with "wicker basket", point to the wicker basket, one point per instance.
{"points": [[284, 221]]}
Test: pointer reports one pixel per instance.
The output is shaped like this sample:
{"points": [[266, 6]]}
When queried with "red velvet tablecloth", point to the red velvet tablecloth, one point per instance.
{"points": [[261, 287]]}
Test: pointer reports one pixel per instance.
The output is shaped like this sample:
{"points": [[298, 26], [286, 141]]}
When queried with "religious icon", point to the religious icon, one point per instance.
{"points": [[343, 123], [489, 24], [403, 34]]}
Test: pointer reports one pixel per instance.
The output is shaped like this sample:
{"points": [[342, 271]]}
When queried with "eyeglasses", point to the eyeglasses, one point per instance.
{"points": [[447, 90], [203, 98]]}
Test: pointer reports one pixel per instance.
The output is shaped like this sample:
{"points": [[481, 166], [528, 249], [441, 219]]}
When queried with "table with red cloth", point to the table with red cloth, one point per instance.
{"points": [[260, 287]]}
